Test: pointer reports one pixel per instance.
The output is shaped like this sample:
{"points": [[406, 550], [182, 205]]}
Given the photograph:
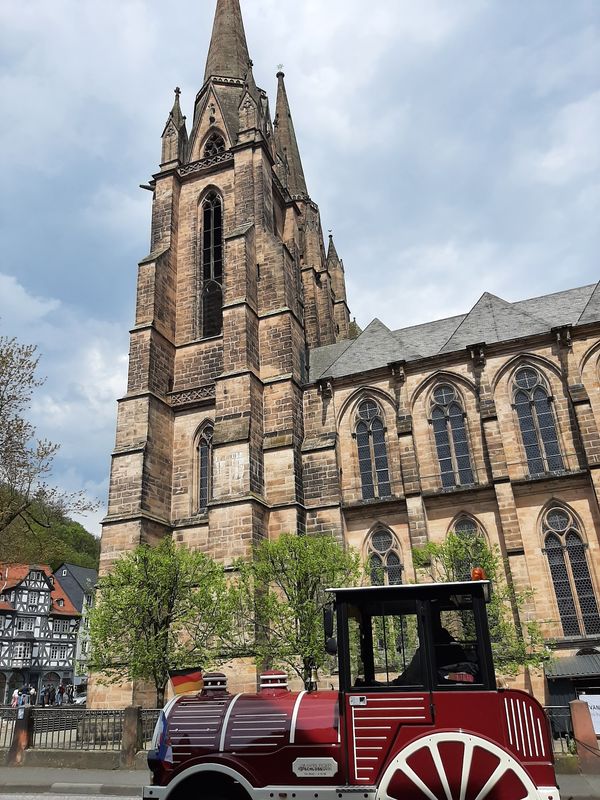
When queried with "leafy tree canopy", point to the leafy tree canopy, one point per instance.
{"points": [[517, 639], [160, 609], [281, 595]]}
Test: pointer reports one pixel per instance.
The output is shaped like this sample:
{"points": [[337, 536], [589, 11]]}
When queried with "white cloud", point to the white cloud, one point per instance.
{"points": [[572, 150]]}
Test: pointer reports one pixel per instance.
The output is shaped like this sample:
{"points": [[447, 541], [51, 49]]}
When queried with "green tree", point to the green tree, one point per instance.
{"points": [[27, 500], [280, 597], [517, 640], [159, 609]]}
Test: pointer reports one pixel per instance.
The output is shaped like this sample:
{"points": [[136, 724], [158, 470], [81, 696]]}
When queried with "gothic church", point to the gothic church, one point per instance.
{"points": [[250, 410]]}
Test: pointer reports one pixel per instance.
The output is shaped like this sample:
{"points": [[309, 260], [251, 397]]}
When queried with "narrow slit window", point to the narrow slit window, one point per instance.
{"points": [[204, 468], [212, 265]]}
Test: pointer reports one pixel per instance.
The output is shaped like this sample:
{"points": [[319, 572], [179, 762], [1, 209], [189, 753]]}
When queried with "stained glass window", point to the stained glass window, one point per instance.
{"points": [[451, 440], [212, 265], [533, 406], [372, 451], [385, 566], [575, 595], [204, 462]]}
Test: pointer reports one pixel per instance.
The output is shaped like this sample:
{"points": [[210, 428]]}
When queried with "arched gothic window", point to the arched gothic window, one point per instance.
{"points": [[473, 548], [566, 552], [372, 451], [212, 265], [385, 566], [215, 145], [204, 468], [451, 441], [533, 405]]}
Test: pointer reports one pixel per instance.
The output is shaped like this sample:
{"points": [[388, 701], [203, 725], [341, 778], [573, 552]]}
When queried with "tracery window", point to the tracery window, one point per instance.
{"points": [[212, 265], [372, 451], [385, 566], [215, 145], [451, 440], [533, 405], [204, 468], [473, 548], [566, 552]]}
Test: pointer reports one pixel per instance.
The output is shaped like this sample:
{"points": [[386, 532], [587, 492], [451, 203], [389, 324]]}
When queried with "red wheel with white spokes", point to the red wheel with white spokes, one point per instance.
{"points": [[455, 766]]}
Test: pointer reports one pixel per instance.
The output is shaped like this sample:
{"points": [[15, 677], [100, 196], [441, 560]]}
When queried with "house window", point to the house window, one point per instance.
{"points": [[54, 652], [372, 451], [567, 558], [25, 623], [33, 601], [63, 653], [22, 650], [212, 265], [450, 431], [64, 573], [533, 405], [61, 603], [385, 566], [215, 145], [204, 467]]}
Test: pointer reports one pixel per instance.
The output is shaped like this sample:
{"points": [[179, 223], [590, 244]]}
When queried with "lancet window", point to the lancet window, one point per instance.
{"points": [[215, 145], [450, 431], [471, 549], [372, 451], [204, 467], [385, 566], [573, 587], [533, 405], [212, 265]]}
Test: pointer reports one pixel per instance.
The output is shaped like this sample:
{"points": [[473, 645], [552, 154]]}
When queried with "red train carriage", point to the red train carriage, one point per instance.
{"points": [[418, 716]]}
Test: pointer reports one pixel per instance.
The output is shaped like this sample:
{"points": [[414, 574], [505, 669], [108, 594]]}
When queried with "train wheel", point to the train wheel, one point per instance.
{"points": [[455, 766]]}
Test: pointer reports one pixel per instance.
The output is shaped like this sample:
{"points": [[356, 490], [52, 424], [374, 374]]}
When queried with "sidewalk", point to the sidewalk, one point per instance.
{"points": [[579, 787], [128, 783], [36, 780]]}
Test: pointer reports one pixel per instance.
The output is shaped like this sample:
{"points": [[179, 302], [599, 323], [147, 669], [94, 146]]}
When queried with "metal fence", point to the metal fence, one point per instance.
{"points": [[561, 726], [60, 728], [149, 719], [8, 717]]}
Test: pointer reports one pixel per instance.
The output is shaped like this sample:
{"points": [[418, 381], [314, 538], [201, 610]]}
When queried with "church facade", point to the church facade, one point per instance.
{"points": [[250, 409]]}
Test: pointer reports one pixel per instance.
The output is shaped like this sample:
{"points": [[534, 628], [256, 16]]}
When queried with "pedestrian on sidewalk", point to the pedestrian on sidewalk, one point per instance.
{"points": [[51, 696], [60, 695], [14, 701]]}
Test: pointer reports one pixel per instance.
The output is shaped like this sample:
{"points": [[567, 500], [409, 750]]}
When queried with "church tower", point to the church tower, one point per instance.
{"points": [[236, 288]]}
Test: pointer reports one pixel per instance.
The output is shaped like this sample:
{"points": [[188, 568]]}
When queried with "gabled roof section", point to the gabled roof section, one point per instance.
{"points": [[228, 55], [376, 347], [591, 312], [493, 320], [85, 577], [12, 575]]}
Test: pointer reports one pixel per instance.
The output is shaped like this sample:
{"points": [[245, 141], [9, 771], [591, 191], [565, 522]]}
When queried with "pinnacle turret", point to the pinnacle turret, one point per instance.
{"points": [[286, 142], [174, 134], [228, 55]]}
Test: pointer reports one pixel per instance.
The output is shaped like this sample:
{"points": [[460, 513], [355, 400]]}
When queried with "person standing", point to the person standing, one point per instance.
{"points": [[52, 695], [14, 702], [60, 695], [43, 693]]}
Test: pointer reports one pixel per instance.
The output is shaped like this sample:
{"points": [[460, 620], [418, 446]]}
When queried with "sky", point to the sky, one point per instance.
{"points": [[453, 148]]}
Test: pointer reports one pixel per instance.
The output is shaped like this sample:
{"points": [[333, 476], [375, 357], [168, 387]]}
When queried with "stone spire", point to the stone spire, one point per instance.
{"points": [[286, 142], [174, 137], [228, 55]]}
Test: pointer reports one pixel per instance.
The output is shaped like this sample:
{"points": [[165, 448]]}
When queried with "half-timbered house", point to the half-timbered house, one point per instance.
{"points": [[38, 629]]}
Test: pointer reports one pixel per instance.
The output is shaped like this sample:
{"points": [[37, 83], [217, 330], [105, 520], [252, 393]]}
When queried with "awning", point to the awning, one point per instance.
{"points": [[574, 667]]}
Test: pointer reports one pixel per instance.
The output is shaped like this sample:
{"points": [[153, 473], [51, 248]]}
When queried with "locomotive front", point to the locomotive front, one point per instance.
{"points": [[418, 715]]}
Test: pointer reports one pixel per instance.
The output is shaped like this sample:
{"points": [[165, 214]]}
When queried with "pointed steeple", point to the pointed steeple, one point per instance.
{"points": [[174, 137], [228, 55], [286, 142]]}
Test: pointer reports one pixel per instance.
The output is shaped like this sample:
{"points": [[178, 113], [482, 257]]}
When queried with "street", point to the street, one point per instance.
{"points": [[45, 796]]}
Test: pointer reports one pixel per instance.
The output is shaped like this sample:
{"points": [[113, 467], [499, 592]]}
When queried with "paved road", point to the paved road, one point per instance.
{"points": [[62, 797]]}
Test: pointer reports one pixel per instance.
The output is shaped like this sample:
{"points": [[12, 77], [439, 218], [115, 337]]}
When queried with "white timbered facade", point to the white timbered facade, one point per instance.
{"points": [[38, 629]]}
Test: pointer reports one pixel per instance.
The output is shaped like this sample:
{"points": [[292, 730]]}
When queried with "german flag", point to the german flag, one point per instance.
{"points": [[186, 681]]}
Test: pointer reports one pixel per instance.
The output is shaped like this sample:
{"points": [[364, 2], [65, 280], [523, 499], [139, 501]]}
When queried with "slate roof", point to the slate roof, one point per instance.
{"points": [[85, 577], [491, 320], [574, 667]]}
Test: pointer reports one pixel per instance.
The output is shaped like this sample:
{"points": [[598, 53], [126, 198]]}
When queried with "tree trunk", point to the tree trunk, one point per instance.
{"points": [[160, 695]]}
